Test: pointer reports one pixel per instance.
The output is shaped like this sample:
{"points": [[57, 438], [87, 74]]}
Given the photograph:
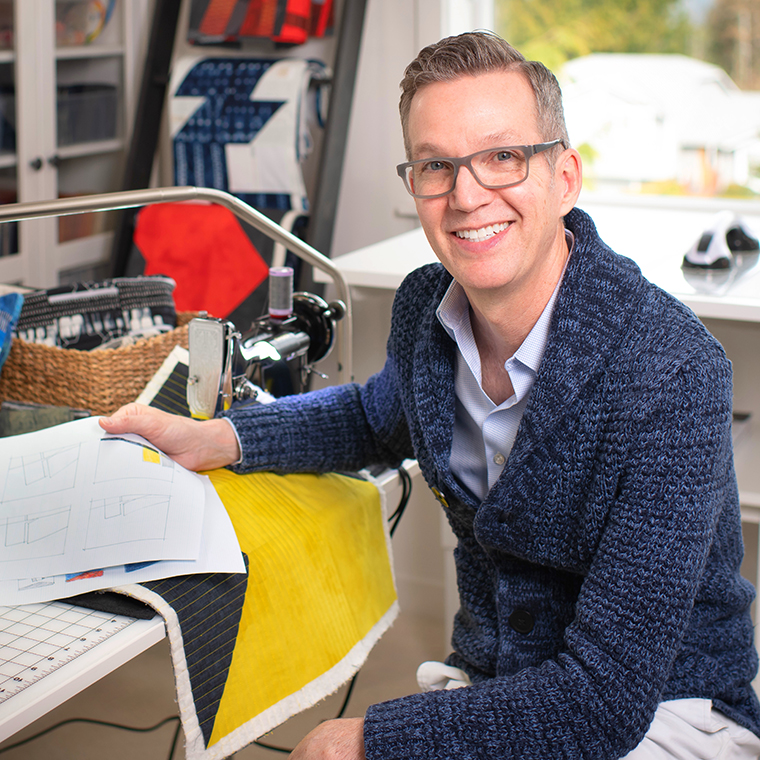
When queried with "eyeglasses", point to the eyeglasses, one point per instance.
{"points": [[493, 169]]}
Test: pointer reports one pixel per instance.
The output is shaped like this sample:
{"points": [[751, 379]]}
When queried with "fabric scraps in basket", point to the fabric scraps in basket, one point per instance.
{"points": [[86, 315], [319, 594]]}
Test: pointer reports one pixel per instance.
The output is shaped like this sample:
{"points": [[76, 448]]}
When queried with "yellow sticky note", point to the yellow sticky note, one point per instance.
{"points": [[151, 455]]}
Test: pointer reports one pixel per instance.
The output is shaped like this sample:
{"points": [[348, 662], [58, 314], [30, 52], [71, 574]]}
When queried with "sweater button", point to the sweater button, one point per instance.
{"points": [[521, 621]]}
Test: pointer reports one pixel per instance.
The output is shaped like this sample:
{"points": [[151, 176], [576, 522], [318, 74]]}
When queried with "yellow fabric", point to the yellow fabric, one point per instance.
{"points": [[319, 580]]}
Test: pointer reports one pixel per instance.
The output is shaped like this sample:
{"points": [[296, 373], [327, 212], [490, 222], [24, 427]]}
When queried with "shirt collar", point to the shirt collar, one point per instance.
{"points": [[453, 313]]}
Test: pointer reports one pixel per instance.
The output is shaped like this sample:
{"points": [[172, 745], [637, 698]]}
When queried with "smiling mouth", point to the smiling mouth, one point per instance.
{"points": [[483, 233]]}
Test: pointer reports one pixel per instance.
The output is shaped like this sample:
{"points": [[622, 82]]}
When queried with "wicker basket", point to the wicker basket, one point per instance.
{"points": [[100, 381]]}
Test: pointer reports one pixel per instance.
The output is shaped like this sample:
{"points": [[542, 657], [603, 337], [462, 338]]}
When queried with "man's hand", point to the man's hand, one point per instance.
{"points": [[341, 739], [195, 444]]}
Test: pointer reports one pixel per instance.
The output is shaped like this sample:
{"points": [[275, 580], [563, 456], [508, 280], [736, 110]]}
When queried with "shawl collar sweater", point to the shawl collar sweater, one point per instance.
{"points": [[600, 575]]}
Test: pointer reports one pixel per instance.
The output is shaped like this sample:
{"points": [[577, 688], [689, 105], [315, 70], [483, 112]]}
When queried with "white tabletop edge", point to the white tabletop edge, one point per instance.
{"points": [[55, 688]]}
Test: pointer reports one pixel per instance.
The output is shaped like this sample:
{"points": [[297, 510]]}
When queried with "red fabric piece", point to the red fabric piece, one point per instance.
{"points": [[295, 30], [321, 18], [216, 17], [259, 19], [204, 250]]}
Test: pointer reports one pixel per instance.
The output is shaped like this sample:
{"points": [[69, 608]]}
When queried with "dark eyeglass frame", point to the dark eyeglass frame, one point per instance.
{"points": [[527, 150]]}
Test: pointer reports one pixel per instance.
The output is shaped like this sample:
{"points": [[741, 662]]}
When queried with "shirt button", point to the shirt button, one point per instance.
{"points": [[499, 459], [521, 621]]}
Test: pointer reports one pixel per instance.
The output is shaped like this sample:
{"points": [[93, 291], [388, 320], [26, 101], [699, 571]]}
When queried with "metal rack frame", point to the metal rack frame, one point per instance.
{"points": [[133, 198]]}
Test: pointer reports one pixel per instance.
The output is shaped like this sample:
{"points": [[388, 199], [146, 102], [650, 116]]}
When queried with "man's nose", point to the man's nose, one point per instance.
{"points": [[468, 193]]}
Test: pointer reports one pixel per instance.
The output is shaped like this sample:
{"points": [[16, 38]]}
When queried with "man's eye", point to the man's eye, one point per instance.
{"points": [[435, 166], [505, 155]]}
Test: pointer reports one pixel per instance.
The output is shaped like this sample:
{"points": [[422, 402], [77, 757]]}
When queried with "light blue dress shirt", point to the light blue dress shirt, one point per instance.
{"points": [[484, 432]]}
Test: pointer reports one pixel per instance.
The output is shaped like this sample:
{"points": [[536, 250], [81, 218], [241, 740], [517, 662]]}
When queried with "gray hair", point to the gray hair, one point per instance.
{"points": [[476, 53]]}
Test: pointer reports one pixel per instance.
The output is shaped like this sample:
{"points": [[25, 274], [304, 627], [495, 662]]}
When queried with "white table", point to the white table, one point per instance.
{"points": [[656, 238], [80, 670], [77, 673]]}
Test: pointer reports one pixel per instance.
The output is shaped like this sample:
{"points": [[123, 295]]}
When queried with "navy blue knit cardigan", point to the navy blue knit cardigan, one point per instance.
{"points": [[600, 576]]}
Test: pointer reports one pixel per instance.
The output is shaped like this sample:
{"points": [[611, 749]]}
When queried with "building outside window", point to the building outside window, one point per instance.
{"points": [[661, 96]]}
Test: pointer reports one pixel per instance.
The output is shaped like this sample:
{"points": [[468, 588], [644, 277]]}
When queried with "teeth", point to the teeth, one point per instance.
{"points": [[483, 233]]}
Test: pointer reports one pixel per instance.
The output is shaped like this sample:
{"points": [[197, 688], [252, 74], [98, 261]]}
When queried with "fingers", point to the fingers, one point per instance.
{"points": [[194, 444], [150, 423], [129, 417]]}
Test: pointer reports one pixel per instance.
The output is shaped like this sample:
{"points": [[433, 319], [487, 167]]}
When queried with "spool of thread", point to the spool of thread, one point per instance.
{"points": [[280, 292]]}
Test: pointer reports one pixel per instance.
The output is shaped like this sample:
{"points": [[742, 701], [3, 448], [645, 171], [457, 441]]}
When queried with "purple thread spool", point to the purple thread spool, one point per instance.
{"points": [[280, 292]]}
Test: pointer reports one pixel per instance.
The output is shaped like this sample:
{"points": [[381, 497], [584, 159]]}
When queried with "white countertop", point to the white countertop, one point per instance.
{"points": [[385, 264], [656, 238]]}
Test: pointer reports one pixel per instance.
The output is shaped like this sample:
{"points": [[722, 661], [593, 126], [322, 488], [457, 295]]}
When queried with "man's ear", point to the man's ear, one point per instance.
{"points": [[569, 178]]}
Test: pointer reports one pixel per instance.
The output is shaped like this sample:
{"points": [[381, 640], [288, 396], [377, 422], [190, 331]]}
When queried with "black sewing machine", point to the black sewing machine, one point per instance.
{"points": [[226, 366]]}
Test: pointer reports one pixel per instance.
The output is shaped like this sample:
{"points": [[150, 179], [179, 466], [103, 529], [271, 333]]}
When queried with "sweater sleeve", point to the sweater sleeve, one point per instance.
{"points": [[597, 696], [339, 428]]}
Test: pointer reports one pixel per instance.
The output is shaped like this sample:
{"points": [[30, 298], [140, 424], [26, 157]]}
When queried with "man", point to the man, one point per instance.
{"points": [[574, 422]]}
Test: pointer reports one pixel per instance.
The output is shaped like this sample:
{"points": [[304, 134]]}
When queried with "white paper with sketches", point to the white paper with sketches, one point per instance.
{"points": [[219, 553], [74, 498]]}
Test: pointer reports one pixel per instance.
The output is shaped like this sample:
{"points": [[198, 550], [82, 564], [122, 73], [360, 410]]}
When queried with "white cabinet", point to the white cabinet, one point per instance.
{"points": [[67, 95], [727, 302]]}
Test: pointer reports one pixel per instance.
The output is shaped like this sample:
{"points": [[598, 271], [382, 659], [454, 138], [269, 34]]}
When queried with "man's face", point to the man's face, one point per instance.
{"points": [[512, 239]]}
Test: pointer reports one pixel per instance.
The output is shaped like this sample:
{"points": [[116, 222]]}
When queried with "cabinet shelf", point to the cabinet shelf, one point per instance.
{"points": [[746, 458], [12, 269], [92, 148], [88, 51], [84, 252], [71, 107]]}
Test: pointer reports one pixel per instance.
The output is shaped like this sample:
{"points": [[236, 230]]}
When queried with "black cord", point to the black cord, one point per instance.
{"points": [[348, 696], [94, 722], [272, 747], [175, 739], [406, 492]]}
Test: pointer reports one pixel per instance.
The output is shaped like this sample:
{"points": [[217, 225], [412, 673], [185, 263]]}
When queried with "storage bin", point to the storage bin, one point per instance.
{"points": [[8, 230], [100, 381], [86, 112]]}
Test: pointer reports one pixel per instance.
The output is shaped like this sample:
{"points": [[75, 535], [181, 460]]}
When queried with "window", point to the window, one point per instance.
{"points": [[661, 96]]}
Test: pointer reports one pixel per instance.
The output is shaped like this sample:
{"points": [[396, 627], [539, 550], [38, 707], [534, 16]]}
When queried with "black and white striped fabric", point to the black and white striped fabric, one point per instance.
{"points": [[86, 315]]}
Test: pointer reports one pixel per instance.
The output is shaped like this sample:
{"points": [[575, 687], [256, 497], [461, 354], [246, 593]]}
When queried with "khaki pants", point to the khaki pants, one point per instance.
{"points": [[691, 729], [682, 729]]}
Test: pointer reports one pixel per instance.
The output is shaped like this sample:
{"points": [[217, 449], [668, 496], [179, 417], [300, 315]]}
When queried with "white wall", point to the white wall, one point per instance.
{"points": [[373, 204]]}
